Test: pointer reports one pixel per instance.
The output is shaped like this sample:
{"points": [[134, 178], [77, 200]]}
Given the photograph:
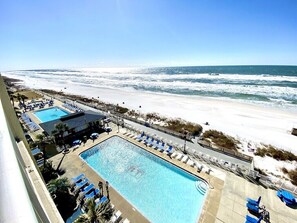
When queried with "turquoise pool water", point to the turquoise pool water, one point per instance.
{"points": [[50, 114], [161, 191]]}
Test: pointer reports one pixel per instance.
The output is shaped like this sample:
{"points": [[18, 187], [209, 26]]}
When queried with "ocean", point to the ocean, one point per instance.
{"points": [[268, 85]]}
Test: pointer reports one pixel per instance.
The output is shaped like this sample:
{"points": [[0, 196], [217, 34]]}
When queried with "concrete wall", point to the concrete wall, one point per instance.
{"points": [[19, 169]]}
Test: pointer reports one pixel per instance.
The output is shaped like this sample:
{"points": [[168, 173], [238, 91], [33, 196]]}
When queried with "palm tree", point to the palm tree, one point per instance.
{"points": [[59, 132], [23, 98], [100, 213], [42, 141], [59, 188]]}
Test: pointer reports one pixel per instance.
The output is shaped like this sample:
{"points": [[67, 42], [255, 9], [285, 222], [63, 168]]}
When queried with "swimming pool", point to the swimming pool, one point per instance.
{"points": [[161, 191], [50, 114]]}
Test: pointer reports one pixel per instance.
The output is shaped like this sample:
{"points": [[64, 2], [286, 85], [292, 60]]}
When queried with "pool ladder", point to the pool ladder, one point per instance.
{"points": [[201, 186]]}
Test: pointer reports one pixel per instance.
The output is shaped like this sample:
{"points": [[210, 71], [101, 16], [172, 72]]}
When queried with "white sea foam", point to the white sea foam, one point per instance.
{"points": [[251, 122]]}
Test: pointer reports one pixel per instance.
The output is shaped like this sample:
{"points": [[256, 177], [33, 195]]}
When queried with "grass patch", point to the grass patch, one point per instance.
{"points": [[220, 139], [179, 125], [277, 154], [292, 175]]}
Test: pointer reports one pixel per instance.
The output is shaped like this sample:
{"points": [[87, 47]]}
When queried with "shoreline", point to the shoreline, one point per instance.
{"points": [[246, 122]]}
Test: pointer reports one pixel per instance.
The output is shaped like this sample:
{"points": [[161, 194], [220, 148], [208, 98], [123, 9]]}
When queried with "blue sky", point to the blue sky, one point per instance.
{"points": [[132, 33]]}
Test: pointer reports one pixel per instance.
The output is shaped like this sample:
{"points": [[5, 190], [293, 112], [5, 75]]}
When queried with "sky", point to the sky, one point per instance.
{"points": [[131, 33]]}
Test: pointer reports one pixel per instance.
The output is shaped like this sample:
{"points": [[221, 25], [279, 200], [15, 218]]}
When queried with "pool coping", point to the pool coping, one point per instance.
{"points": [[74, 165], [43, 109], [177, 166]]}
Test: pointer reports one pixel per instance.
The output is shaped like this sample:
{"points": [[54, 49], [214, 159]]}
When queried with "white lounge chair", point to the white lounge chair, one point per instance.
{"points": [[173, 155], [199, 166], [116, 217], [190, 163], [179, 156], [185, 159], [126, 220]]}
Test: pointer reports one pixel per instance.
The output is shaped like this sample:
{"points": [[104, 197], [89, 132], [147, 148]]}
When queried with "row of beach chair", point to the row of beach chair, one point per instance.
{"points": [[254, 208], [72, 107], [32, 126], [82, 186], [87, 191], [168, 149]]}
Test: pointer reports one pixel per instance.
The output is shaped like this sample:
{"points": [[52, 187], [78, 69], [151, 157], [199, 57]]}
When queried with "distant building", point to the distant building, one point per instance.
{"points": [[78, 123]]}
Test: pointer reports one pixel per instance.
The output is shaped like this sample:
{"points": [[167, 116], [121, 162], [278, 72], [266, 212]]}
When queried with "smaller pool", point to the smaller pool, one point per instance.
{"points": [[50, 114]]}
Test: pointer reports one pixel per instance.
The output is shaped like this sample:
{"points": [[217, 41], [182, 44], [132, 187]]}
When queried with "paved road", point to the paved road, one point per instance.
{"points": [[192, 145]]}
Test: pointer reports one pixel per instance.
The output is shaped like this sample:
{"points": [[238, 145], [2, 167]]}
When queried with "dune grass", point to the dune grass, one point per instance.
{"points": [[220, 139], [179, 125], [269, 150], [292, 175]]}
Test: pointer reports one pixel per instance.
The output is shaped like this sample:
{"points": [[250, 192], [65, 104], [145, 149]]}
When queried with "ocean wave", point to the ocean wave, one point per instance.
{"points": [[276, 89]]}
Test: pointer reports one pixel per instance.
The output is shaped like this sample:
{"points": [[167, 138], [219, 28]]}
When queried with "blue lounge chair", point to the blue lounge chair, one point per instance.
{"points": [[161, 147], [169, 150], [82, 183], [147, 139], [139, 138], [250, 219], [92, 194], [78, 178], [87, 189], [150, 143], [102, 200], [156, 144], [253, 208], [254, 202]]}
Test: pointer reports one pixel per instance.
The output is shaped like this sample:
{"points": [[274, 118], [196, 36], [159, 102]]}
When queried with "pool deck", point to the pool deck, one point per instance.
{"points": [[226, 202], [74, 165]]}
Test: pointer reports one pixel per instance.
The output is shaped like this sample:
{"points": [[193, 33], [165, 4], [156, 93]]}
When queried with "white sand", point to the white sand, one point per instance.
{"points": [[270, 165], [248, 122]]}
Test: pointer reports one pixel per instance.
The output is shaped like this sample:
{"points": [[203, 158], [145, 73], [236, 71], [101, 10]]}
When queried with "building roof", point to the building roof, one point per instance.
{"points": [[75, 120]]}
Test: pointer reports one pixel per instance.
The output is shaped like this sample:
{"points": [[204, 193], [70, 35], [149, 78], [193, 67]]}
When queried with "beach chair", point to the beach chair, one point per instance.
{"points": [[250, 219], [161, 147], [126, 220], [168, 150], [150, 143], [185, 159], [254, 202], [92, 194], [198, 165], [190, 163], [146, 139], [116, 217], [179, 156], [81, 184], [173, 155], [156, 144], [253, 208], [78, 178], [207, 170], [87, 189], [140, 136]]}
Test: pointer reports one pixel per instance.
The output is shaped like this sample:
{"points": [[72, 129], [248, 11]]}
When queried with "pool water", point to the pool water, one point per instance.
{"points": [[161, 191], [50, 114]]}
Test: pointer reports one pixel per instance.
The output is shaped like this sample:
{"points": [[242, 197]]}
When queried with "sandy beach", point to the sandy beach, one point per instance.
{"points": [[248, 123]]}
